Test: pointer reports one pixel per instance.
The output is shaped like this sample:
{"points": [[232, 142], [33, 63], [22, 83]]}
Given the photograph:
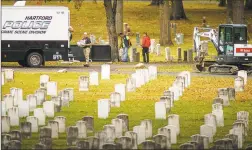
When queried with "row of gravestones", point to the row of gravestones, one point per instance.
{"points": [[141, 77], [183, 80]]}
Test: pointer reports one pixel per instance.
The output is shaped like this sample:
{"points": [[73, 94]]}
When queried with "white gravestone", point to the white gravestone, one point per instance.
{"points": [[239, 84], [62, 123], [94, 78], [210, 120], [167, 54], [9, 101], [118, 123], [2, 78], [65, 98], [238, 132], [243, 115], [173, 130], [120, 88], [9, 74], [34, 123], [17, 93], [40, 114], [115, 99], [158, 51], [82, 129], [43, 81], [152, 72], [207, 131], [111, 133], [218, 112], [131, 85], [24, 109], [3, 108], [243, 73], [223, 94], [48, 108], [152, 46], [105, 72], [14, 116], [140, 130], [179, 86], [55, 128], [5, 124], [174, 120], [160, 110], [32, 99], [83, 83], [186, 78], [148, 127], [52, 88], [41, 96], [175, 91], [139, 78], [71, 93], [103, 108]]}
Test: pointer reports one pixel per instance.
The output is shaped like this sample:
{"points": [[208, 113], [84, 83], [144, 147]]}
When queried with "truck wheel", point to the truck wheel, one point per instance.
{"points": [[22, 63], [34, 59]]}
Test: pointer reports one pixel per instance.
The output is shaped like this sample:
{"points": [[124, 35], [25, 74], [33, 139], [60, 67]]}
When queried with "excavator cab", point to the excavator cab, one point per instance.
{"points": [[229, 35]]}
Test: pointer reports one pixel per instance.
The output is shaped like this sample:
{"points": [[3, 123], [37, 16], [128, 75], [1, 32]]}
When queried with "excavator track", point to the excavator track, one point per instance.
{"points": [[223, 69]]}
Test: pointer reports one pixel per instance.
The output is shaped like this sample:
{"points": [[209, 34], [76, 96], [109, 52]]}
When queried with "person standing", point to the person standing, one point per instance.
{"points": [[125, 44], [145, 45], [86, 48], [70, 31]]}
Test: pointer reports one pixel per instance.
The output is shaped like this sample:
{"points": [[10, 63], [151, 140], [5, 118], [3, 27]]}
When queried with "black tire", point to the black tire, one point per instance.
{"points": [[34, 59], [22, 63]]}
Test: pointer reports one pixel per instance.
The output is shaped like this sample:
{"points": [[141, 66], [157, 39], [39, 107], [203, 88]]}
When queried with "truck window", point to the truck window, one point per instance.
{"points": [[240, 35]]}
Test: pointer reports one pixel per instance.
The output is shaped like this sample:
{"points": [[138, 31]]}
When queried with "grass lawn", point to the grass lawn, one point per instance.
{"points": [[192, 106]]}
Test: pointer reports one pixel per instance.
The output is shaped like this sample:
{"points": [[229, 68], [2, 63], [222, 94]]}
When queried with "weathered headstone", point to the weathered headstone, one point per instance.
{"points": [[93, 142], [162, 140], [140, 130], [148, 127], [190, 55], [243, 73], [160, 110], [71, 93], [55, 128], [9, 101], [48, 108], [200, 140], [133, 136], [5, 139], [167, 54], [26, 129], [218, 112], [115, 99], [167, 132], [16, 135], [90, 123], [14, 116], [41, 96], [239, 84], [174, 120], [94, 78], [131, 85], [62, 123], [83, 83], [105, 72], [167, 101], [43, 81], [5, 124], [231, 94], [14, 144], [9, 74], [171, 133], [125, 119], [218, 100], [17, 94], [169, 94], [149, 144], [223, 94], [239, 133], [234, 139], [32, 99], [45, 132], [102, 136], [72, 135], [46, 141], [34, 123], [243, 115], [118, 123], [175, 91], [208, 131], [125, 141], [64, 99], [120, 88], [57, 103], [82, 129], [210, 120], [51, 88], [82, 144], [224, 144], [103, 108], [40, 114], [111, 133]]}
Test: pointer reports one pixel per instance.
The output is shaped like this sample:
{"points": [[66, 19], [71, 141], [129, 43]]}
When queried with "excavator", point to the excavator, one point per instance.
{"points": [[233, 51]]}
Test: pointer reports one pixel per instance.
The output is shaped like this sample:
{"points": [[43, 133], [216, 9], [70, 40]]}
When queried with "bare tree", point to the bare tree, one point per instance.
{"points": [[229, 12], [178, 11], [238, 8], [119, 17]]}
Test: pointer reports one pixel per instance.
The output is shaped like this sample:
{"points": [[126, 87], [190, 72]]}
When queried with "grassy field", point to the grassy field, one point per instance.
{"points": [[192, 106]]}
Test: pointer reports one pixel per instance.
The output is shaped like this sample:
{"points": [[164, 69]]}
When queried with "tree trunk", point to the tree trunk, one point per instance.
{"points": [[165, 28], [248, 4], [119, 17], [156, 2], [222, 3], [238, 8], [229, 12], [178, 11], [111, 27]]}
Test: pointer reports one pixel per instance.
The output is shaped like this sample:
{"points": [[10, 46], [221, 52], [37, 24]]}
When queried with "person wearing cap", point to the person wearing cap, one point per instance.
{"points": [[86, 48]]}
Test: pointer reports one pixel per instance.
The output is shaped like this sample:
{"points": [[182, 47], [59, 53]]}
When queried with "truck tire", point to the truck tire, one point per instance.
{"points": [[22, 63], [34, 59]]}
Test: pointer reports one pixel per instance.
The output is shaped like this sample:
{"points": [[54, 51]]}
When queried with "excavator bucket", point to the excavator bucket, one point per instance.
{"points": [[200, 68]]}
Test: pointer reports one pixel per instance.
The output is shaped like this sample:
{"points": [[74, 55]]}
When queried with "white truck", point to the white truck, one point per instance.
{"points": [[32, 35]]}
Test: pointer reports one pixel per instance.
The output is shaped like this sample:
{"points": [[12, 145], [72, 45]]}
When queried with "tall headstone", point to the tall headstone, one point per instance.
{"points": [[32, 99], [111, 133], [23, 109], [9, 74], [120, 88], [72, 135], [40, 114], [62, 123], [160, 110], [14, 116], [239, 84], [51, 88], [94, 78], [115, 99], [218, 112], [148, 127], [243, 73], [103, 108], [5, 124], [174, 120], [55, 128], [140, 130], [90, 123], [133, 136], [82, 129], [118, 123], [48, 108], [83, 83], [34, 123], [105, 72], [43, 81]]}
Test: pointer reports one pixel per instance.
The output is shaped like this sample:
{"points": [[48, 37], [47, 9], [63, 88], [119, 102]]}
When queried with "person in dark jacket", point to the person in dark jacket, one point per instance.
{"points": [[145, 45]]}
